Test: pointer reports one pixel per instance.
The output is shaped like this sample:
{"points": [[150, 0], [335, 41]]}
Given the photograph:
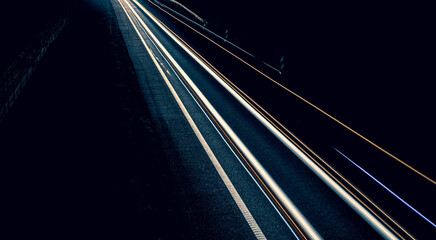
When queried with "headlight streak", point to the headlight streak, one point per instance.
{"points": [[285, 132], [378, 226], [229, 185], [278, 193], [288, 135], [386, 188], [307, 102]]}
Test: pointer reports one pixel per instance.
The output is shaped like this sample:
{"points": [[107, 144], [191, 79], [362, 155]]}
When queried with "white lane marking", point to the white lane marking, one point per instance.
{"points": [[356, 206], [230, 187], [270, 182], [226, 142]]}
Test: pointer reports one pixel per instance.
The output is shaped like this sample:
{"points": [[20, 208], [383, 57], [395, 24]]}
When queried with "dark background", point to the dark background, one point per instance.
{"points": [[369, 64], [79, 156], [20, 21]]}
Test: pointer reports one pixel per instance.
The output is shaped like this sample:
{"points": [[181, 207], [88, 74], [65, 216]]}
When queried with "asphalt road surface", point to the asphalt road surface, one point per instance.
{"points": [[144, 124], [201, 116]]}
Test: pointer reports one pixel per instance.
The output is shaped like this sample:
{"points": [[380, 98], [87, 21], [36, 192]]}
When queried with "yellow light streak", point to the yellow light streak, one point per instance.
{"points": [[229, 185], [301, 98], [257, 106], [274, 121], [264, 186]]}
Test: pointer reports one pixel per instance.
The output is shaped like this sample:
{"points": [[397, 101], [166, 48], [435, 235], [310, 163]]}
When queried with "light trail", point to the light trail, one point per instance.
{"points": [[271, 186], [386, 188], [281, 128], [362, 211], [285, 132], [229, 185], [306, 101]]}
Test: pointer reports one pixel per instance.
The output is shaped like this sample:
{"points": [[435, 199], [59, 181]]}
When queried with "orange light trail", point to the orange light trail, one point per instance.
{"points": [[304, 100], [274, 122]]}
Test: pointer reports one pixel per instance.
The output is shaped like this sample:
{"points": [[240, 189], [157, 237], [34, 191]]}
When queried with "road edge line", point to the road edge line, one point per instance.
{"points": [[358, 208], [227, 182]]}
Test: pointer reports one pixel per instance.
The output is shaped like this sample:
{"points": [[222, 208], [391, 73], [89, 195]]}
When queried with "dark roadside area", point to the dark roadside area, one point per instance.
{"points": [[79, 156], [22, 21]]}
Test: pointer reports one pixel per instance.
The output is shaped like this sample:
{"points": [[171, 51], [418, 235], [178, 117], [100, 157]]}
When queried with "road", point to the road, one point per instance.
{"points": [[244, 172]]}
